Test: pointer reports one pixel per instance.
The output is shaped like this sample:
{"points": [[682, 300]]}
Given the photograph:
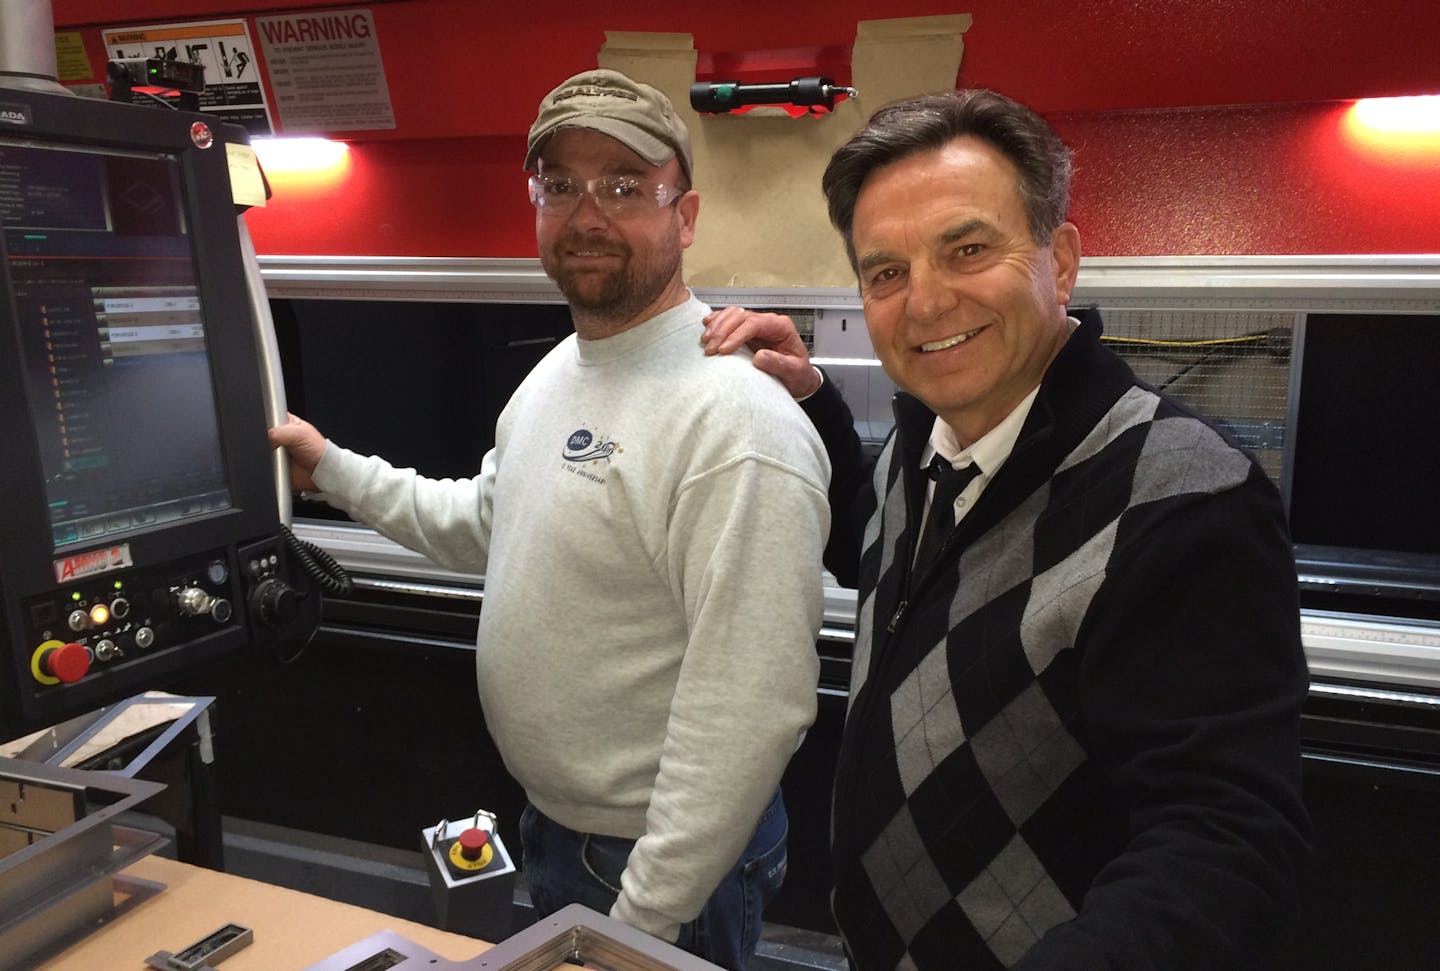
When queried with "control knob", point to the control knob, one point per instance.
{"points": [[195, 602], [274, 602]]}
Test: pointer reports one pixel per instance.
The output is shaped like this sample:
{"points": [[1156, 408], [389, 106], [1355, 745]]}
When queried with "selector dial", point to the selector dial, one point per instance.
{"points": [[275, 602], [194, 602]]}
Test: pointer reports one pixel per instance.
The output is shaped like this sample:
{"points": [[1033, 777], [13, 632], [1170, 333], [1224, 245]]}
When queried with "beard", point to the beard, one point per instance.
{"points": [[616, 296]]}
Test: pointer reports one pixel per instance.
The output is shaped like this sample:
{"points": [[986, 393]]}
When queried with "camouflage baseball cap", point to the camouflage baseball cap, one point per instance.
{"points": [[607, 101]]}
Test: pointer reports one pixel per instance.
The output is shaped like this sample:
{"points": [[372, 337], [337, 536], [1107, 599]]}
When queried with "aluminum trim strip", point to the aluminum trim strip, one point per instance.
{"points": [[1351, 693], [393, 637], [1371, 765], [1375, 649], [1376, 282], [1332, 584], [421, 589], [362, 550]]}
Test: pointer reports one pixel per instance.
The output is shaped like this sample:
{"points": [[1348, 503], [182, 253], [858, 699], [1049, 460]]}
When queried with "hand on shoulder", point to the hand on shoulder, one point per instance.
{"points": [[779, 349]]}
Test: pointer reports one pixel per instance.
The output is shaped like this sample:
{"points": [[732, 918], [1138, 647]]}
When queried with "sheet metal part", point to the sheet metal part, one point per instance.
{"points": [[205, 953], [55, 745], [56, 887], [573, 935]]}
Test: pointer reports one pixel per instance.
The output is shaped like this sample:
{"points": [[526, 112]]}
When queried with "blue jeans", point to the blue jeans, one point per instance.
{"points": [[564, 867]]}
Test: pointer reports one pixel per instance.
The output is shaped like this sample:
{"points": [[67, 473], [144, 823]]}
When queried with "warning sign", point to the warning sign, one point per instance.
{"points": [[326, 72]]}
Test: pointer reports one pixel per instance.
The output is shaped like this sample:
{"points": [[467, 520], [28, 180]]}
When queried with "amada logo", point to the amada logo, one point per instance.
{"points": [[14, 114], [582, 446]]}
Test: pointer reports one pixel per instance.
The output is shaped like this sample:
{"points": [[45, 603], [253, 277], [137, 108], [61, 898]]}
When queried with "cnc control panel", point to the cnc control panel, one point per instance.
{"points": [[107, 622]]}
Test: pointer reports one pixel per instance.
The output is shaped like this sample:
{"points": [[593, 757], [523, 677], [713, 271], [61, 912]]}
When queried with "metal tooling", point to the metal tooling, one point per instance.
{"points": [[63, 847], [574, 934], [205, 953]]}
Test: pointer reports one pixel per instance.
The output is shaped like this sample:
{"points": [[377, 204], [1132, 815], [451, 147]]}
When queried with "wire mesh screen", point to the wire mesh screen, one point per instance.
{"points": [[1233, 367], [804, 322]]}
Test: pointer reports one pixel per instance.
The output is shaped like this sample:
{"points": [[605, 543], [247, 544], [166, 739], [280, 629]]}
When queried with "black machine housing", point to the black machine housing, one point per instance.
{"points": [[140, 526]]}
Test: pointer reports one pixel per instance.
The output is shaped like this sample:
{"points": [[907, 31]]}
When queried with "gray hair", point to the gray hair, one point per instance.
{"points": [[927, 123]]}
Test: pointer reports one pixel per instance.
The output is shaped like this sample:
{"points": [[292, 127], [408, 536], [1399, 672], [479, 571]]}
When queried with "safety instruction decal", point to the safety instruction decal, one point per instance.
{"points": [[326, 72], [232, 77]]}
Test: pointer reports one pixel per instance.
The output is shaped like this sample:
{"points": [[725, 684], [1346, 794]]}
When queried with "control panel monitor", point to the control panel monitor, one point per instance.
{"points": [[140, 514]]}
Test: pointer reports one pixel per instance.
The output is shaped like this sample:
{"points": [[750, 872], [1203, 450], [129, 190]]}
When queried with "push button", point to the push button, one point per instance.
{"points": [[57, 663], [472, 851]]}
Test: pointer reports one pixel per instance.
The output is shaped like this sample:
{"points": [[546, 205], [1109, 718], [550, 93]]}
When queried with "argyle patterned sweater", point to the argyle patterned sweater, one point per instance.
{"points": [[1073, 742]]}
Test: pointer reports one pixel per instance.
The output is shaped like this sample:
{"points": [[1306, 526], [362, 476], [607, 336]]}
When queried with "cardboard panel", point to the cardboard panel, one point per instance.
{"points": [[762, 215]]}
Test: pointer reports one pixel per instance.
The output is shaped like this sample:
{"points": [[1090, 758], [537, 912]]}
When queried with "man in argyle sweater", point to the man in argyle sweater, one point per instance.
{"points": [[1073, 735]]}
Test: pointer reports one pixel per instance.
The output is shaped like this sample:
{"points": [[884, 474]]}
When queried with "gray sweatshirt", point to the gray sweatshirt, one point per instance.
{"points": [[650, 525]]}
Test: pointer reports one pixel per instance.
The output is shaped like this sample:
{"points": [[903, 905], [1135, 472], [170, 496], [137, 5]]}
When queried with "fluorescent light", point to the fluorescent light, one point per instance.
{"points": [[299, 154], [1418, 115], [845, 361]]}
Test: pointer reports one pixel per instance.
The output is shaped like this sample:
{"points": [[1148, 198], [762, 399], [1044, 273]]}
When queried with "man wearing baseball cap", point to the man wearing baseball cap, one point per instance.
{"points": [[650, 526]]}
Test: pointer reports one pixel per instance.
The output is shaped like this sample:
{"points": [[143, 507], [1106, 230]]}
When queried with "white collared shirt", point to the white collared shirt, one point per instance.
{"points": [[989, 452]]}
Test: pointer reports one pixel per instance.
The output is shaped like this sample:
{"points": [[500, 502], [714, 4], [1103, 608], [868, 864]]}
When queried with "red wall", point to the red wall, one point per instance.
{"points": [[1209, 127], [1271, 179]]}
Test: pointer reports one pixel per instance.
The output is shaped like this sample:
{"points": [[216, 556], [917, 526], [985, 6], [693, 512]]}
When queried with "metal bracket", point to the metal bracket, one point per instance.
{"points": [[574, 935], [206, 952], [57, 885]]}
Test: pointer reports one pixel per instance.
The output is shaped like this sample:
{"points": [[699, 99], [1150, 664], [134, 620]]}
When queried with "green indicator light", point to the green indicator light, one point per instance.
{"points": [[119, 585], [75, 595]]}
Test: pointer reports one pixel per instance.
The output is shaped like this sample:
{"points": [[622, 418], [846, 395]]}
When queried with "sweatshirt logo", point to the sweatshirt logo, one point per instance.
{"points": [[583, 446]]}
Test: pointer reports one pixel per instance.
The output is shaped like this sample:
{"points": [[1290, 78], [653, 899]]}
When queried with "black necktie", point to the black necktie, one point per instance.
{"points": [[940, 520]]}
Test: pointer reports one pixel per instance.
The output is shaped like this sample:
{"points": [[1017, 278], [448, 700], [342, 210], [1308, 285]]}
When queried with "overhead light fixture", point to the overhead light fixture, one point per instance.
{"points": [[1400, 125], [1416, 115], [301, 156]]}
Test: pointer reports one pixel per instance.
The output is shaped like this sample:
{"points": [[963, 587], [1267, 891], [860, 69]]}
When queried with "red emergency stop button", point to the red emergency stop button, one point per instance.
{"points": [[473, 843], [66, 663], [472, 852]]}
